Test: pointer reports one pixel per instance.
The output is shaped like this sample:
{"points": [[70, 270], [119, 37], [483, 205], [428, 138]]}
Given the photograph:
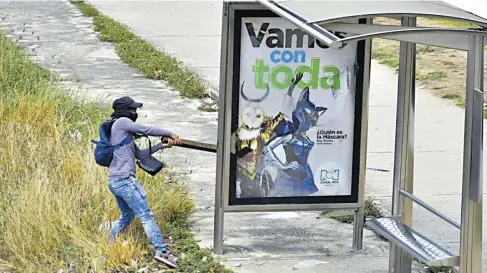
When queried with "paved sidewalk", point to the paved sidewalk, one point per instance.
{"points": [[188, 28]]}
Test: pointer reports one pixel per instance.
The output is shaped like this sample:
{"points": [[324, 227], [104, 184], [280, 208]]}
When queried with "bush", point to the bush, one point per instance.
{"points": [[53, 196]]}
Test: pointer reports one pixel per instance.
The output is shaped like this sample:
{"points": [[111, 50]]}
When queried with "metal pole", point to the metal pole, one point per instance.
{"points": [[219, 212], [313, 29], [221, 144], [430, 208], [358, 228], [472, 188], [400, 261]]}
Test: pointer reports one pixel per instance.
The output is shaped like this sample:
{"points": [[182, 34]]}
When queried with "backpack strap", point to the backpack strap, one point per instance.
{"points": [[137, 136], [126, 140]]}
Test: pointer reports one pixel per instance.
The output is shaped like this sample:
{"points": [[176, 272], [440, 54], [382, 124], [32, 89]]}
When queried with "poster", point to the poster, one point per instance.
{"points": [[296, 113]]}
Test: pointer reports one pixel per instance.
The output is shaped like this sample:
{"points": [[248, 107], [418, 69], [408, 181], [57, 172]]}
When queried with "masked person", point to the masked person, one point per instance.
{"points": [[129, 193]]}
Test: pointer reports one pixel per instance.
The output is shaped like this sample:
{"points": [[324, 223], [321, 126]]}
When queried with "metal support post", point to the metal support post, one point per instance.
{"points": [[358, 228], [472, 188], [223, 117], [400, 261], [219, 212]]}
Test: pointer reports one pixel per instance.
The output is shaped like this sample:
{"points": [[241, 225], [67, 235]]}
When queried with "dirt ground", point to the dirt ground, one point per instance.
{"points": [[439, 70]]}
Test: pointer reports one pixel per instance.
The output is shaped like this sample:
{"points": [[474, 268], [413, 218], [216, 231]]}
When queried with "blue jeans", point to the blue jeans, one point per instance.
{"points": [[132, 201]]}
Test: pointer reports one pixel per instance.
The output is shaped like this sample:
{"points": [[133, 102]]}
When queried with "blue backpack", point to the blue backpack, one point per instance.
{"points": [[104, 149]]}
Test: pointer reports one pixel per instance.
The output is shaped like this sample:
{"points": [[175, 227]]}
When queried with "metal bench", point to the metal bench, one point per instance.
{"points": [[413, 242]]}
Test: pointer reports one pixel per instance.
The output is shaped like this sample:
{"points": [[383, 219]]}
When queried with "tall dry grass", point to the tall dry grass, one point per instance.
{"points": [[53, 197]]}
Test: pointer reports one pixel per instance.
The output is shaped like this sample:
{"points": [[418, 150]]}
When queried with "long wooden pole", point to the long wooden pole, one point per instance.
{"points": [[185, 143]]}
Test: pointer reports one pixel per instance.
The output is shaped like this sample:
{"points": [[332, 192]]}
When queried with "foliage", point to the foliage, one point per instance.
{"points": [[53, 196]]}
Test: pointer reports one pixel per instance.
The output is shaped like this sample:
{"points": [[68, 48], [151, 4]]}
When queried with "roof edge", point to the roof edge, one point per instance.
{"points": [[371, 15], [445, 38], [480, 22], [313, 29]]}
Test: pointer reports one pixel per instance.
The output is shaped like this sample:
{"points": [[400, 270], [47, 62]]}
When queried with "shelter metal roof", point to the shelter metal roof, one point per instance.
{"points": [[327, 11], [319, 17]]}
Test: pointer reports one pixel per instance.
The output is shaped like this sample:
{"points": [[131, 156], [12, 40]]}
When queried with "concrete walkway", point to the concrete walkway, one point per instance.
{"points": [[188, 28]]}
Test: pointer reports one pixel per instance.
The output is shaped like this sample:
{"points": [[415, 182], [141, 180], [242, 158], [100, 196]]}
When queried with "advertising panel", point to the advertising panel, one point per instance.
{"points": [[296, 115]]}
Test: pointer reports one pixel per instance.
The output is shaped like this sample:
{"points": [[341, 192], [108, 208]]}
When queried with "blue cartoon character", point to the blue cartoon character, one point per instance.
{"points": [[294, 176]]}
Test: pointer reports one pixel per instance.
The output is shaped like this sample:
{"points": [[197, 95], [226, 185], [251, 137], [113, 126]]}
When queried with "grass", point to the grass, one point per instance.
{"points": [[425, 48], [440, 70], [386, 52], [451, 96], [439, 269], [448, 23], [435, 75], [435, 268], [53, 196], [139, 54], [370, 211]]}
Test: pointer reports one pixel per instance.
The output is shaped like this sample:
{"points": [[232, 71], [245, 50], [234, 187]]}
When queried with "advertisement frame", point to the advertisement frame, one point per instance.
{"points": [[228, 113]]}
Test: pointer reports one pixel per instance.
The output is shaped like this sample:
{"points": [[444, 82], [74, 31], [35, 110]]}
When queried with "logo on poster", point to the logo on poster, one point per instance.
{"points": [[330, 177]]}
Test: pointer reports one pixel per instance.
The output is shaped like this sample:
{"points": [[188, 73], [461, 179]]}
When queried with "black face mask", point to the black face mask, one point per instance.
{"points": [[125, 113]]}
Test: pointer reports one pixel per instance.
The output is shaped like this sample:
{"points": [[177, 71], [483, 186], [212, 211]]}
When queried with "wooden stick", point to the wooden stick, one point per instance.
{"points": [[193, 145]]}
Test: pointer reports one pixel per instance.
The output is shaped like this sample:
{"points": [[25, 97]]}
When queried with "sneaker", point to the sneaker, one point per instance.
{"points": [[166, 258]]}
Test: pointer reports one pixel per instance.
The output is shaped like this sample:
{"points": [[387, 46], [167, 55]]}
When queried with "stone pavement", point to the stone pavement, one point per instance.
{"points": [[188, 28], [57, 36]]}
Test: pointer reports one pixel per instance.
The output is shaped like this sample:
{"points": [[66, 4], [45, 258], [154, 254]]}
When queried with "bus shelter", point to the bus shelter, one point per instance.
{"points": [[293, 118]]}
